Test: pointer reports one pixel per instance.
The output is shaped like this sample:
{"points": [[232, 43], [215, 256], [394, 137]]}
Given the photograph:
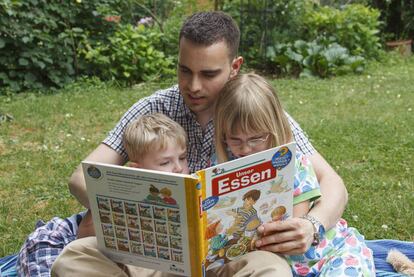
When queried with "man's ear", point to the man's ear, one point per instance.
{"points": [[235, 66]]}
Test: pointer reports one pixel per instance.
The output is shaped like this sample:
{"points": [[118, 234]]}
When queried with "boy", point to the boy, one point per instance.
{"points": [[152, 142]]}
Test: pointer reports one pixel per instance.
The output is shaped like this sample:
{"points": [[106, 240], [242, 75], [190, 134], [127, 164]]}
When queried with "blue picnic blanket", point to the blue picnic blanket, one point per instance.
{"points": [[380, 249], [8, 266]]}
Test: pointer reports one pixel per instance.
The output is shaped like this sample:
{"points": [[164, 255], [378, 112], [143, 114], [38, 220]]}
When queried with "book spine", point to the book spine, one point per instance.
{"points": [[196, 226]]}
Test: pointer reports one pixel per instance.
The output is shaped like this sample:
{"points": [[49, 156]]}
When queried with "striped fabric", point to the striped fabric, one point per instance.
{"points": [[8, 266]]}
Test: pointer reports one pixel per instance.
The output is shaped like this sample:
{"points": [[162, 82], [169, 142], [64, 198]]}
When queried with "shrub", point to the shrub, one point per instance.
{"points": [[264, 23], [316, 58], [355, 27], [39, 39], [130, 56]]}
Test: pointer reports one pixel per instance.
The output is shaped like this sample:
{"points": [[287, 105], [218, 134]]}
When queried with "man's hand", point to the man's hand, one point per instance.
{"points": [[293, 236]]}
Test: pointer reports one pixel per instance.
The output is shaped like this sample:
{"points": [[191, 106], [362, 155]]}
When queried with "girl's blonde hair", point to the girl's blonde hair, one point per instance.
{"points": [[152, 132], [249, 103]]}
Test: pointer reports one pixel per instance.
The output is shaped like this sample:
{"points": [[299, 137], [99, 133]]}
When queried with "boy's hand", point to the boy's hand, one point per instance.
{"points": [[293, 236]]}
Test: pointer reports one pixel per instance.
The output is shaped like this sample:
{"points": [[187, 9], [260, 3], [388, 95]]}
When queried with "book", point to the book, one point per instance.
{"points": [[187, 224]]}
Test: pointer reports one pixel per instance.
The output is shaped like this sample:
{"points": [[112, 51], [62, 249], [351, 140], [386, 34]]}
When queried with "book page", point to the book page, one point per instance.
{"points": [[140, 216], [241, 195]]}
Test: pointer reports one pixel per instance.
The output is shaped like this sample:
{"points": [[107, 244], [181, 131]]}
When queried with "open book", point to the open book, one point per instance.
{"points": [[186, 224]]}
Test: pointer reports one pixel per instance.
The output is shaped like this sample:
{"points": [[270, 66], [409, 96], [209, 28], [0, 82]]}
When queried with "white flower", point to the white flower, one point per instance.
{"points": [[384, 226], [355, 217]]}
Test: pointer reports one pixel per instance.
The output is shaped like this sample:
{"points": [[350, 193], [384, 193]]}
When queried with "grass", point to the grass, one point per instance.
{"points": [[363, 125]]}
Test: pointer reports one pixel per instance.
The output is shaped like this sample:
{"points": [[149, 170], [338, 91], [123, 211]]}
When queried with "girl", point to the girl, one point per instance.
{"points": [[249, 118]]}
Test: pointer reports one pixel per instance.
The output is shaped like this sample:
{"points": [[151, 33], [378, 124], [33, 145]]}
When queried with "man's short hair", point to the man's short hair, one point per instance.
{"points": [[208, 28], [150, 133]]}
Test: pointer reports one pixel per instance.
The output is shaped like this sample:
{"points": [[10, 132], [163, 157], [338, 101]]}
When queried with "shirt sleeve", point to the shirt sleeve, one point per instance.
{"points": [[301, 138], [306, 185]]}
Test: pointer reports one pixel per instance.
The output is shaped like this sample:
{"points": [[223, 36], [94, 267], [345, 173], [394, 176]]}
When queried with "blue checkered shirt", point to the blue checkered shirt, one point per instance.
{"points": [[200, 146], [42, 247]]}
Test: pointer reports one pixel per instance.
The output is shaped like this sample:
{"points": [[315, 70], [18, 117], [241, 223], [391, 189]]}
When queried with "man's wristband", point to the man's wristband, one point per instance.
{"points": [[318, 229]]}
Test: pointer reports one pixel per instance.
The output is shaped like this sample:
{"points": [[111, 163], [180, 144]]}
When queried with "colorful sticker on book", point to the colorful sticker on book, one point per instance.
{"points": [[164, 253], [132, 221], [123, 245], [136, 248], [209, 202], [108, 230], [160, 227], [105, 217], [103, 203], [117, 206], [134, 235], [281, 158], [110, 242], [131, 208]]}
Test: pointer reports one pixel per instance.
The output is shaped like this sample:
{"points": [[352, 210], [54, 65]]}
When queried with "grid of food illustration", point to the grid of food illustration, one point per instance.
{"points": [[148, 228]]}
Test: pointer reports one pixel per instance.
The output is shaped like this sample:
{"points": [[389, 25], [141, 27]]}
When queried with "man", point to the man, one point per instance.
{"points": [[208, 47]]}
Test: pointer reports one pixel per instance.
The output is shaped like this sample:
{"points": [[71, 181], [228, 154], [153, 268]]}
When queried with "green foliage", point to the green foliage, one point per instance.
{"points": [[300, 38], [40, 41], [131, 55], [355, 27], [264, 23], [315, 58]]}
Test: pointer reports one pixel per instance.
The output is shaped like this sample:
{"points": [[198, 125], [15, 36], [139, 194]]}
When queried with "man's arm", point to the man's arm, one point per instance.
{"points": [[330, 206], [103, 154], [295, 235]]}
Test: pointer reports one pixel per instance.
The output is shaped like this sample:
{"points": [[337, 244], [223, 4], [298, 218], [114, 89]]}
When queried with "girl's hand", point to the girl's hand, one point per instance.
{"points": [[293, 236]]}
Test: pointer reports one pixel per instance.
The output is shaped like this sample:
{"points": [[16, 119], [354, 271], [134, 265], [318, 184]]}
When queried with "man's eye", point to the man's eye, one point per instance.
{"points": [[164, 163], [210, 75], [184, 70]]}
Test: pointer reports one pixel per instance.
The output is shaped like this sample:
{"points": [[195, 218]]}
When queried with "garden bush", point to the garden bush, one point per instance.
{"points": [[131, 55], [41, 41], [264, 23], [354, 26], [302, 39], [313, 59]]}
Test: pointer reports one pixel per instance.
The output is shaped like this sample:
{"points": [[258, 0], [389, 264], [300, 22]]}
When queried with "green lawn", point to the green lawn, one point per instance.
{"points": [[363, 125]]}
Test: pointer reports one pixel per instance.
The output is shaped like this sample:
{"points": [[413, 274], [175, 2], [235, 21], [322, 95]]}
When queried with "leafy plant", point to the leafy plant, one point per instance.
{"points": [[316, 58], [130, 56], [264, 23], [354, 26]]}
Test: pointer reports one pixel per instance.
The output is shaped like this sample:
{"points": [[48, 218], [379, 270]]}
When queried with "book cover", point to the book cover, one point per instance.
{"points": [[186, 224], [242, 194]]}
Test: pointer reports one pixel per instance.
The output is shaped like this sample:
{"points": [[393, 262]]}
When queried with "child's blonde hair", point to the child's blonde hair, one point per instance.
{"points": [[249, 103], [152, 132]]}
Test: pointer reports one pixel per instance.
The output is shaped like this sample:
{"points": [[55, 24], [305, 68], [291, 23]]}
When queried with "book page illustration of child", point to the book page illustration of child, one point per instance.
{"points": [[153, 195], [246, 218], [166, 196], [278, 213]]}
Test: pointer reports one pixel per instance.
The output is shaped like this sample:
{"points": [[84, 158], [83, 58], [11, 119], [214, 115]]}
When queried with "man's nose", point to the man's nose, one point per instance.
{"points": [[195, 84]]}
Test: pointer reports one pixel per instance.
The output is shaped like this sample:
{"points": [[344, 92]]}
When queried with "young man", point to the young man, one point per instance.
{"points": [[208, 47]]}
